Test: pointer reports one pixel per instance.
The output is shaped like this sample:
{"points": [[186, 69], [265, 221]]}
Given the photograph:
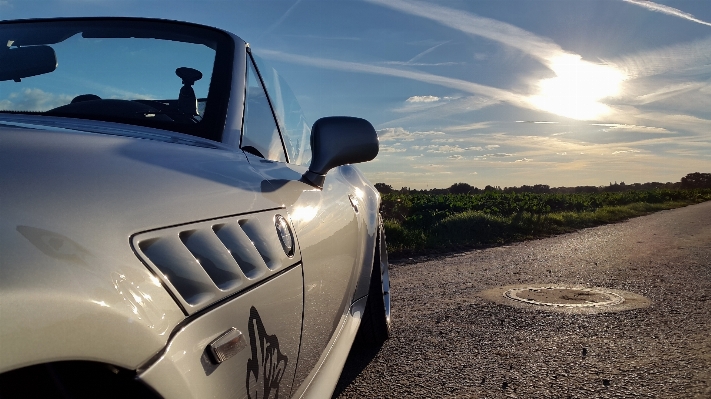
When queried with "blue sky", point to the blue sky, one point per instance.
{"points": [[489, 92]]}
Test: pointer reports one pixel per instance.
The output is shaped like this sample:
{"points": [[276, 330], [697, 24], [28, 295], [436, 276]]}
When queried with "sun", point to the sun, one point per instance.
{"points": [[576, 90]]}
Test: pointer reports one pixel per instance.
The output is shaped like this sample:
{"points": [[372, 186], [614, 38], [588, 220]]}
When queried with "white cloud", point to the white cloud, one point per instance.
{"points": [[470, 126], [421, 63], [422, 99], [429, 133], [685, 91], [421, 104], [34, 100], [400, 134], [396, 133], [391, 149], [492, 146], [441, 110], [498, 155], [429, 166], [635, 128], [669, 91], [624, 152], [672, 58], [108, 91], [442, 149], [456, 157], [570, 151], [689, 123], [523, 160], [666, 10]]}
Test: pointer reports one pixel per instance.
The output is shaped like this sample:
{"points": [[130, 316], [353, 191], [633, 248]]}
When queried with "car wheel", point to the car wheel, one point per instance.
{"points": [[376, 325]]}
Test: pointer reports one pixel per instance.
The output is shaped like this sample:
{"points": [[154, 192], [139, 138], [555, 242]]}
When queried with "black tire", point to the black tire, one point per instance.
{"points": [[375, 326]]}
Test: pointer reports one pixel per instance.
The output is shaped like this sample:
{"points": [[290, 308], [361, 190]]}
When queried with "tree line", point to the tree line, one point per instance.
{"points": [[690, 181]]}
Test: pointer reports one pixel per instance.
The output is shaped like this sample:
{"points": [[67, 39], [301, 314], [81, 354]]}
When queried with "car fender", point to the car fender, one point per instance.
{"points": [[81, 306]]}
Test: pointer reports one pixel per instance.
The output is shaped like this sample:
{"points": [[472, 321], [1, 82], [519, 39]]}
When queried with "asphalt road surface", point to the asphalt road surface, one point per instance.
{"points": [[456, 335]]}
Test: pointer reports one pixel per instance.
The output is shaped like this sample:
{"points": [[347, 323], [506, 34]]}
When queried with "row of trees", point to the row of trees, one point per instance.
{"points": [[690, 181]]}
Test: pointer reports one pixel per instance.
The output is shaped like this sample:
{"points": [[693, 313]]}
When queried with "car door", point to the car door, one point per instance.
{"points": [[326, 221], [245, 348]]}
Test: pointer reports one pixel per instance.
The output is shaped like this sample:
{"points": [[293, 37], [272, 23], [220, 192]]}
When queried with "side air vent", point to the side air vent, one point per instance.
{"points": [[242, 249], [207, 261], [179, 267]]}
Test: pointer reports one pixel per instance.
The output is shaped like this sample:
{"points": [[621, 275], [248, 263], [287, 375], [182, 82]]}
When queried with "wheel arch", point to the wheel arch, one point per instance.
{"points": [[73, 379]]}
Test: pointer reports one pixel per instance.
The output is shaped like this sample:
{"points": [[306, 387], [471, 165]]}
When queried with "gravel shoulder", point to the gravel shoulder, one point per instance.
{"points": [[452, 338]]}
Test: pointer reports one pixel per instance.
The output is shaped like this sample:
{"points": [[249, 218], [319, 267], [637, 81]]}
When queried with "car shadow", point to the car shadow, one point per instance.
{"points": [[358, 359]]}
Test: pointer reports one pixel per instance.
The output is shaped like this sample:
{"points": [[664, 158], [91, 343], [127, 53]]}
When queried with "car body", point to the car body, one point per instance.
{"points": [[176, 239]]}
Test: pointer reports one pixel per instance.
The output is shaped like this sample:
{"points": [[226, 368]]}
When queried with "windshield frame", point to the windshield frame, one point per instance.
{"points": [[213, 122]]}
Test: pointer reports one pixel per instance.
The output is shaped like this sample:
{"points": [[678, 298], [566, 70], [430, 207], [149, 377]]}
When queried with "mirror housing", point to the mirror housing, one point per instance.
{"points": [[339, 140], [23, 62]]}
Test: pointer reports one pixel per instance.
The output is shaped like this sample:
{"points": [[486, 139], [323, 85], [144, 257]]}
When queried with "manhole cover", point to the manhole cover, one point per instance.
{"points": [[567, 297]]}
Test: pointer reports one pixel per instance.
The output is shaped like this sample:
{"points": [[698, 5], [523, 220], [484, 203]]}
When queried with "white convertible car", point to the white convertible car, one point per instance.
{"points": [[169, 224]]}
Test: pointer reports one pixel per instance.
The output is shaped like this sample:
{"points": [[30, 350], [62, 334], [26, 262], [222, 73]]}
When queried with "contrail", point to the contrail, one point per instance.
{"points": [[283, 17], [666, 10], [539, 47], [429, 50], [470, 87]]}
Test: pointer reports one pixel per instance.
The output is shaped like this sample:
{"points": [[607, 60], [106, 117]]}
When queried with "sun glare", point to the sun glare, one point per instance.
{"points": [[576, 90]]}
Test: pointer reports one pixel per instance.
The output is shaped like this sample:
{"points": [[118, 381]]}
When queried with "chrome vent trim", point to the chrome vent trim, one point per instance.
{"points": [[204, 262]]}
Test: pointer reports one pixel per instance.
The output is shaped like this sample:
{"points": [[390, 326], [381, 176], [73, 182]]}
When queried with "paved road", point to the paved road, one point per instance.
{"points": [[452, 338]]}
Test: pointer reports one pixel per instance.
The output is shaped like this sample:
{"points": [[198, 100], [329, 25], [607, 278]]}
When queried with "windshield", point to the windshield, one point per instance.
{"points": [[150, 73], [292, 122]]}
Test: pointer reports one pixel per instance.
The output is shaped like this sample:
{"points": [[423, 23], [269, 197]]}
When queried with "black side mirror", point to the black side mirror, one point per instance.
{"points": [[23, 62], [339, 140]]}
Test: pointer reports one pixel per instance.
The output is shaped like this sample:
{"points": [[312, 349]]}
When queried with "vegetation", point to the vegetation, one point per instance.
{"points": [[465, 217]]}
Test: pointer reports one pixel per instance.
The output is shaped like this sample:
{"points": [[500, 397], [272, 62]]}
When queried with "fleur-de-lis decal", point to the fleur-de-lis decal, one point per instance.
{"points": [[266, 367]]}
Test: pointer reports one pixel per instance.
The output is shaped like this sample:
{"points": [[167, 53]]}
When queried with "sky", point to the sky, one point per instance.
{"points": [[487, 92]]}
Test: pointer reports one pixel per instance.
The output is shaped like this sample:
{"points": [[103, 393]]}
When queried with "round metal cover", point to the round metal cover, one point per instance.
{"points": [[569, 297]]}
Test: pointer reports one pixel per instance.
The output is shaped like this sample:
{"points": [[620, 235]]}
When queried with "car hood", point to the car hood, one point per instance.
{"points": [[69, 204], [82, 182]]}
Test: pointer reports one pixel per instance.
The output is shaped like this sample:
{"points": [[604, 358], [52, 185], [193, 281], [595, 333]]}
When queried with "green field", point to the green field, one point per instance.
{"points": [[418, 223]]}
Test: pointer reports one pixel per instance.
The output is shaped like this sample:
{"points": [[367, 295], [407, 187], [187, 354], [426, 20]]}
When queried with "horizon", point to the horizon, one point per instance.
{"points": [[500, 187], [505, 93]]}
